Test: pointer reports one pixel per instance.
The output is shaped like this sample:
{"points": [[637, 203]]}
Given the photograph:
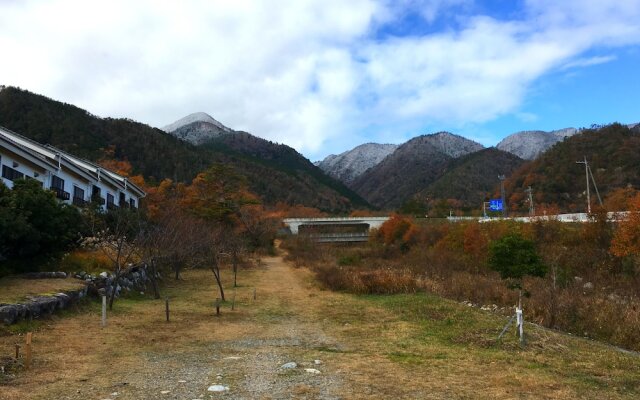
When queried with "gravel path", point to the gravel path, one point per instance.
{"points": [[249, 366]]}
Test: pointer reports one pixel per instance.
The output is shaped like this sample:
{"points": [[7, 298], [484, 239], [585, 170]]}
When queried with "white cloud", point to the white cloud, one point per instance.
{"points": [[587, 62], [309, 72]]}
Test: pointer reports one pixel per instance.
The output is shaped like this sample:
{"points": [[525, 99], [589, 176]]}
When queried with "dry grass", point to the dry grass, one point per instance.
{"points": [[14, 289], [400, 346]]}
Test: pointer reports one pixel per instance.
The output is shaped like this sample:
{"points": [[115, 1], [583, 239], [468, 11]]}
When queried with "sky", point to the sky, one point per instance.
{"points": [[324, 76]]}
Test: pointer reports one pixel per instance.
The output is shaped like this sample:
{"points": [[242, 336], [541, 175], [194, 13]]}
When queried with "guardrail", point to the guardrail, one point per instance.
{"points": [[338, 237]]}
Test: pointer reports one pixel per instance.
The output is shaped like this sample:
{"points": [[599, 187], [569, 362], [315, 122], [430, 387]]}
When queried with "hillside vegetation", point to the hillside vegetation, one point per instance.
{"points": [[275, 172], [613, 152], [469, 181]]}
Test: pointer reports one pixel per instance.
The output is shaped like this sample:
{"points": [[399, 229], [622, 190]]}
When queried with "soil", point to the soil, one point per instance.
{"points": [[363, 350]]}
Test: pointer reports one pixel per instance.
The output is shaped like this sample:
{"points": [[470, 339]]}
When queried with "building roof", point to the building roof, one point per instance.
{"points": [[53, 157]]}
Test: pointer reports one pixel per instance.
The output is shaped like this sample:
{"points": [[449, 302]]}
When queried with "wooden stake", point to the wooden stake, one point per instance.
{"points": [[104, 311], [17, 351], [167, 307], [254, 294], [218, 306], [27, 361]]}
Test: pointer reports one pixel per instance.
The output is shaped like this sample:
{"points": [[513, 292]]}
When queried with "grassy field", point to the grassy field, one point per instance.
{"points": [[401, 346], [14, 289]]}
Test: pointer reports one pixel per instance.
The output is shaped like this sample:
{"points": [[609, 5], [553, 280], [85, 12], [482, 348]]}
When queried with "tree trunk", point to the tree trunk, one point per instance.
{"points": [[176, 268], [114, 286], [216, 272], [154, 280], [235, 269]]}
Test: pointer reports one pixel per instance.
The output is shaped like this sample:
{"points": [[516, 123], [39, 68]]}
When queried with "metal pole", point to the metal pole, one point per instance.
{"points": [[586, 171], [532, 210]]}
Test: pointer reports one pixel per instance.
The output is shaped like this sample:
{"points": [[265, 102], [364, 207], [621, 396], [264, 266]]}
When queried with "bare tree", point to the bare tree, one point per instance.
{"points": [[118, 239]]}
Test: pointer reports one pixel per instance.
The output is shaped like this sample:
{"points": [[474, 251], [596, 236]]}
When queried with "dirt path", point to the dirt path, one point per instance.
{"points": [[138, 357], [380, 347]]}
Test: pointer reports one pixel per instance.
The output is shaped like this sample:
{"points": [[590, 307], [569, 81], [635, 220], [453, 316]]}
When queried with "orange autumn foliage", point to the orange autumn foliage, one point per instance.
{"points": [[626, 239], [398, 230], [124, 168], [474, 241], [620, 199]]}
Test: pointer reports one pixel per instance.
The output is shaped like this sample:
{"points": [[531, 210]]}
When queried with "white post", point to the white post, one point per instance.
{"points": [[104, 311], [520, 323]]}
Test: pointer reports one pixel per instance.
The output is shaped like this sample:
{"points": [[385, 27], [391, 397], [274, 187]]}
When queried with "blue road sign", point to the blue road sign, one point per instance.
{"points": [[495, 205]]}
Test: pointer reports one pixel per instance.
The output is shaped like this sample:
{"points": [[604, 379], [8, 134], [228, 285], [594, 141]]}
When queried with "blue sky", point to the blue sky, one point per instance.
{"points": [[326, 75]]}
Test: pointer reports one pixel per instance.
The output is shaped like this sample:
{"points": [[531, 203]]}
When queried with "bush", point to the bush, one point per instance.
{"points": [[376, 281], [33, 224], [514, 257]]}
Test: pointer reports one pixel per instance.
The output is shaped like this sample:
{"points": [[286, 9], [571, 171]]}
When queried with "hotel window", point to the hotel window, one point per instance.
{"points": [[78, 196], [10, 173], [110, 199], [57, 183]]}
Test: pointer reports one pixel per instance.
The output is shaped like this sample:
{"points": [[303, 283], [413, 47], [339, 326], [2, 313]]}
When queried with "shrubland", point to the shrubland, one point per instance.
{"points": [[583, 278], [214, 222]]}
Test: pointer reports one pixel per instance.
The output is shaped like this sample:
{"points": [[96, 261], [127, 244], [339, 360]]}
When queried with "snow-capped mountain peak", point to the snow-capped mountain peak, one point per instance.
{"points": [[349, 165], [197, 128], [529, 144], [195, 117]]}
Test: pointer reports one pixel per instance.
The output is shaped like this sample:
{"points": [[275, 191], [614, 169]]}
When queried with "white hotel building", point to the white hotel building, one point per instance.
{"points": [[74, 180]]}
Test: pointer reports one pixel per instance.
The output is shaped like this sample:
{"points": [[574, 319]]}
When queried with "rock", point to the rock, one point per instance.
{"points": [[317, 362], [289, 365], [232, 358], [312, 370], [218, 388], [588, 286], [104, 274], [182, 381], [8, 314], [165, 392]]}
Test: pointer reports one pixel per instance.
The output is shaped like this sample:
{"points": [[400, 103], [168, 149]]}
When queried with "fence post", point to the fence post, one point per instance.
{"points": [[17, 351], [27, 361], [218, 306], [167, 307], [520, 324]]}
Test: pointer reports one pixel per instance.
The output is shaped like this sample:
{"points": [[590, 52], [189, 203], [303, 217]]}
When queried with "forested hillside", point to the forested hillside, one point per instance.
{"points": [[411, 168], [281, 176], [613, 153], [471, 179]]}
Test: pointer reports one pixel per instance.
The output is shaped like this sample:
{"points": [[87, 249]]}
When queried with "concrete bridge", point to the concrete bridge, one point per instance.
{"points": [[332, 229]]}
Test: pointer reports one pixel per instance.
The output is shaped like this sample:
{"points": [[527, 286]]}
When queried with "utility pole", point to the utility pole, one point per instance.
{"points": [[502, 196], [532, 210], [586, 172]]}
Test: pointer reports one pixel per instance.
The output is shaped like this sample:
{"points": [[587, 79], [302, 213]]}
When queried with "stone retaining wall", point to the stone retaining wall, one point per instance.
{"points": [[134, 278], [39, 306]]}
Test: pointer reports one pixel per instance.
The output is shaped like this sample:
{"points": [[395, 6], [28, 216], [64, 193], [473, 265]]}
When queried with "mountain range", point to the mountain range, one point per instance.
{"points": [[440, 169], [276, 172], [429, 169]]}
